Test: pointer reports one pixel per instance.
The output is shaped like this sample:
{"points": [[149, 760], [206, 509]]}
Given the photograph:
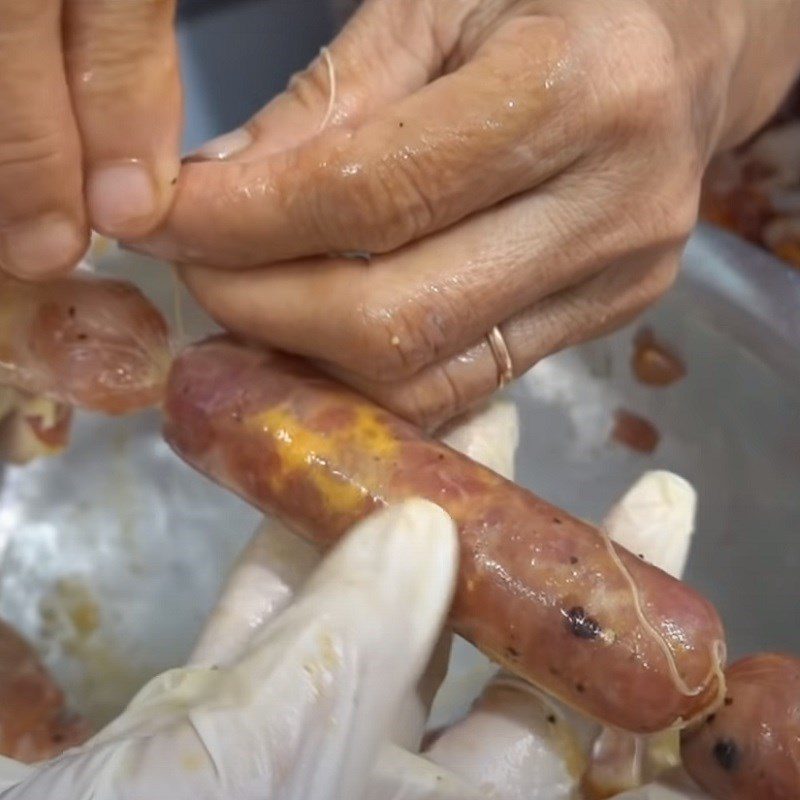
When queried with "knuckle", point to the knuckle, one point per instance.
{"points": [[375, 208], [431, 400], [677, 221], [395, 339], [18, 17], [311, 87], [661, 278], [636, 86], [39, 163], [654, 209], [121, 43]]}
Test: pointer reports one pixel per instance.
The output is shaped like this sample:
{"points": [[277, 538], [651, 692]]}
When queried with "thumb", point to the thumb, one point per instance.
{"points": [[367, 66]]}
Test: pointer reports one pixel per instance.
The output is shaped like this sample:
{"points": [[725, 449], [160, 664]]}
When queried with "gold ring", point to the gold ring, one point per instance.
{"points": [[502, 357]]}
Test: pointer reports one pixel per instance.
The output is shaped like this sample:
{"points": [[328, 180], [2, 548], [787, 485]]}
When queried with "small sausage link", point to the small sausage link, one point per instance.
{"points": [[90, 342], [750, 748]]}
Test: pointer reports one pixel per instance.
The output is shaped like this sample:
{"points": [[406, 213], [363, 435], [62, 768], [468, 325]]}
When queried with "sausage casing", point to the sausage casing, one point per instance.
{"points": [[538, 590], [750, 748], [85, 341]]}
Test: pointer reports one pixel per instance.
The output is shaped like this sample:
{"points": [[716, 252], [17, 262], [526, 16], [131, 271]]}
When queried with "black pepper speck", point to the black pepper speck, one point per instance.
{"points": [[580, 624], [726, 753]]}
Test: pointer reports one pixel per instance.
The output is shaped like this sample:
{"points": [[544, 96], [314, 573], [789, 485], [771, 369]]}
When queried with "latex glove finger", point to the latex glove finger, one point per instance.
{"points": [[490, 436], [13, 772], [304, 710], [400, 775], [263, 581], [674, 786], [523, 753], [656, 518]]}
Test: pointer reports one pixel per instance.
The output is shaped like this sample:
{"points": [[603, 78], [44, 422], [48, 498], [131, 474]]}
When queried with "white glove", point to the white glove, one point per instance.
{"points": [[303, 707]]}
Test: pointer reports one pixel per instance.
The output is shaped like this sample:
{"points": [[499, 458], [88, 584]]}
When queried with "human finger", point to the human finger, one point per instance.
{"points": [[43, 227], [440, 392], [388, 318], [488, 435], [417, 167], [122, 65], [401, 775], [265, 578], [366, 67], [335, 638]]}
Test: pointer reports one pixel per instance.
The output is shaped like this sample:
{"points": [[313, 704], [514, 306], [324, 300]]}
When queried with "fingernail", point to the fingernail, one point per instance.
{"points": [[225, 146], [43, 245], [119, 196]]}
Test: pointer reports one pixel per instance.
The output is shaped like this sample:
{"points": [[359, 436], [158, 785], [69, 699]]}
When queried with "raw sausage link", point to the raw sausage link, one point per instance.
{"points": [[750, 749], [34, 722], [538, 590], [85, 341]]}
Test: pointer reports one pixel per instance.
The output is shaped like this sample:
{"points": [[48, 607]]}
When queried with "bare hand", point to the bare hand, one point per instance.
{"points": [[530, 165], [89, 126]]}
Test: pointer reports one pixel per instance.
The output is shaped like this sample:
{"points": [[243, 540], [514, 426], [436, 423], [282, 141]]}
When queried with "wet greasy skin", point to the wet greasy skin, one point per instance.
{"points": [[750, 749], [34, 722], [90, 342], [537, 589]]}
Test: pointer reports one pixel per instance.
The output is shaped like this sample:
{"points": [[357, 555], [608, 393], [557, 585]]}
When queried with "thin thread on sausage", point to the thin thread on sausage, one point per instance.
{"points": [[326, 55], [680, 684], [719, 652]]}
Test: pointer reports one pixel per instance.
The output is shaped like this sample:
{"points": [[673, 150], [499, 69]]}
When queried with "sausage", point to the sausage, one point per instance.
{"points": [[540, 592], [34, 721], [84, 341], [750, 748]]}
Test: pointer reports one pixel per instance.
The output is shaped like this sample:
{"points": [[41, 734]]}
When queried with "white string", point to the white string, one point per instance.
{"points": [[326, 55]]}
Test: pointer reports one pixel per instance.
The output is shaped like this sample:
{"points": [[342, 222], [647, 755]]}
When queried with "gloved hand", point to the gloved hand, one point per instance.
{"points": [[291, 692], [300, 707]]}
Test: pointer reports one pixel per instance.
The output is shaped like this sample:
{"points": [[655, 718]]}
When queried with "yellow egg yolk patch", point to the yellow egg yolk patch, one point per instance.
{"points": [[320, 455]]}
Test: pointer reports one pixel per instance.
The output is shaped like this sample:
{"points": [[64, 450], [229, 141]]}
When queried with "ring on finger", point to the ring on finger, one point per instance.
{"points": [[502, 357]]}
